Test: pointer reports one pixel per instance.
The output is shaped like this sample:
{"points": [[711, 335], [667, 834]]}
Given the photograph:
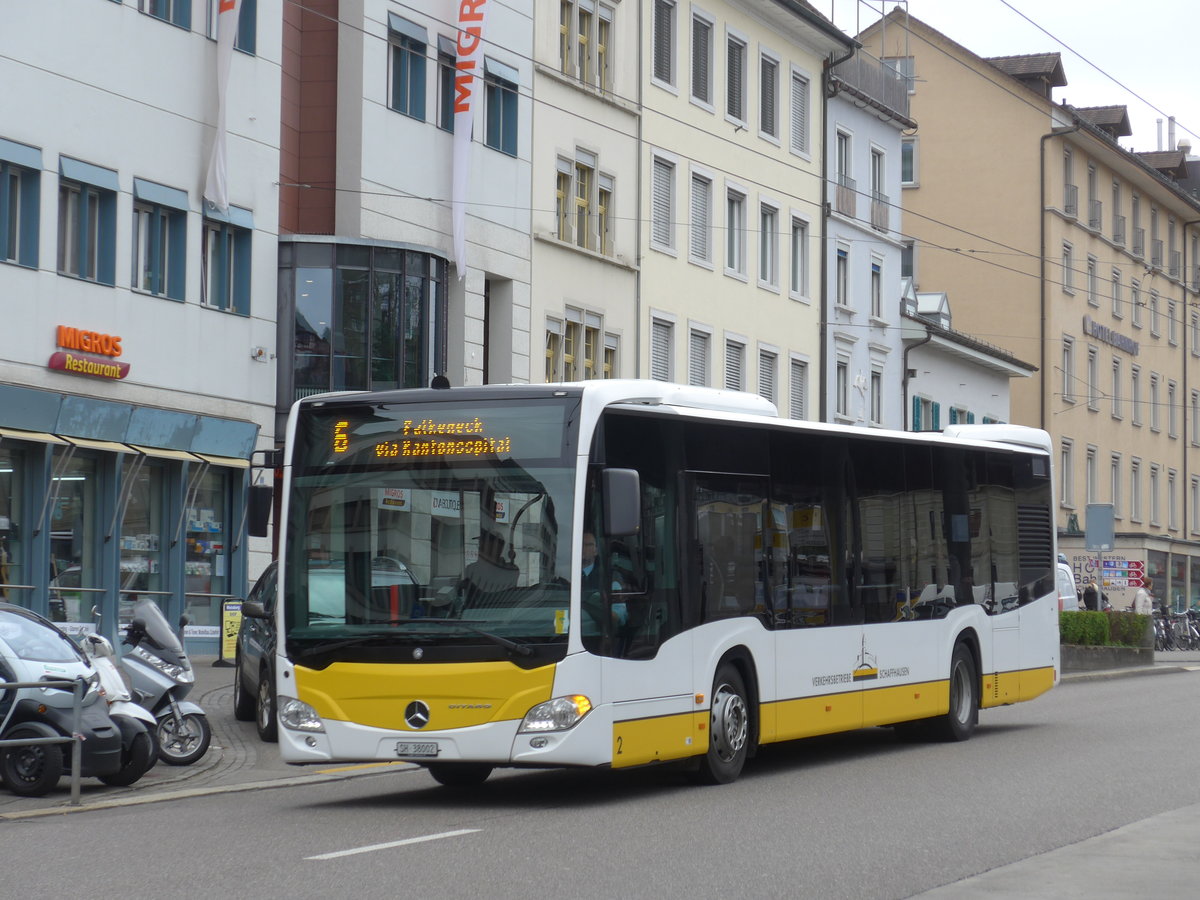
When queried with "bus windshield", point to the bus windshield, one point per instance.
{"points": [[440, 529]]}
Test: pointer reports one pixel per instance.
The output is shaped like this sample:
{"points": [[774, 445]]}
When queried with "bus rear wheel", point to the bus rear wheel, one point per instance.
{"points": [[729, 729], [459, 774], [959, 723]]}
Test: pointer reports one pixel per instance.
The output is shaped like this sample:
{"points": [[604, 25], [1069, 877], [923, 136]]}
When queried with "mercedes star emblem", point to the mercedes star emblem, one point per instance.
{"points": [[416, 714]]}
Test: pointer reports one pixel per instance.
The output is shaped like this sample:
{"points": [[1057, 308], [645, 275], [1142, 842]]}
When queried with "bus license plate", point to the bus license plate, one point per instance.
{"points": [[416, 748]]}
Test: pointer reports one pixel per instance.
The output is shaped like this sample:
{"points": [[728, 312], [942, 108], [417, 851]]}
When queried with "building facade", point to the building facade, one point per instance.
{"points": [[731, 159], [1072, 252], [135, 359]]}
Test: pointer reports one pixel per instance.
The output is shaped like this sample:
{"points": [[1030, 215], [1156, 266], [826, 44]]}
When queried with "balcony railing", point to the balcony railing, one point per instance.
{"points": [[1139, 242], [1071, 199], [1173, 265], [1095, 214], [879, 211], [847, 194], [1119, 230], [1196, 277], [882, 83], [1156, 254]]}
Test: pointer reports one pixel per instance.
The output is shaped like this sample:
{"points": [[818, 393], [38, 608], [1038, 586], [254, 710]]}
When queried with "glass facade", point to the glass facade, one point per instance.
{"points": [[364, 317]]}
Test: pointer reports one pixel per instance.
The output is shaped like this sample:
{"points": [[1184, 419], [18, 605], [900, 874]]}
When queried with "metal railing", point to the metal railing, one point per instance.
{"points": [[879, 211], [75, 740], [1071, 199], [1095, 214], [1139, 242], [1119, 230], [847, 195]]}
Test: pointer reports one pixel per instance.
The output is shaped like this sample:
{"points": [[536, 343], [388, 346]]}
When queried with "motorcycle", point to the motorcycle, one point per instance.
{"points": [[32, 649], [139, 749], [160, 676]]}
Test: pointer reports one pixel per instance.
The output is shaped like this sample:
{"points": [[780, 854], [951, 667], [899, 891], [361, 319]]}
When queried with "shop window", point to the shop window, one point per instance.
{"points": [[141, 530], [206, 560], [11, 572], [72, 518]]}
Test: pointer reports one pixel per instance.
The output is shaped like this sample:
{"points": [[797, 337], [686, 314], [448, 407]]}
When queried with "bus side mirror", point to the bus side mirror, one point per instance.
{"points": [[258, 509], [622, 502]]}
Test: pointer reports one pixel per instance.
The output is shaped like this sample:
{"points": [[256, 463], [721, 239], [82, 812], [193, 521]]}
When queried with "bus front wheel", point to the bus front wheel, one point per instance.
{"points": [[729, 729], [959, 723], [459, 774]]}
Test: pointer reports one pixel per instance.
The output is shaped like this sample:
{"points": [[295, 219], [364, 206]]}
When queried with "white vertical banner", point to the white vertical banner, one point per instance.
{"points": [[468, 88], [216, 187]]}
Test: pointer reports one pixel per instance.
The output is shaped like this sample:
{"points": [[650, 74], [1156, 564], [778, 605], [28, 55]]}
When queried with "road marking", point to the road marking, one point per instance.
{"points": [[390, 844]]}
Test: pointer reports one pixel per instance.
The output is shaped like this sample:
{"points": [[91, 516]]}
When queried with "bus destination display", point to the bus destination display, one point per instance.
{"points": [[462, 439]]}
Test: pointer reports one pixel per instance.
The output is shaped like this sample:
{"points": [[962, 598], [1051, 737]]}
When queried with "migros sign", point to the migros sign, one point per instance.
{"points": [[76, 342]]}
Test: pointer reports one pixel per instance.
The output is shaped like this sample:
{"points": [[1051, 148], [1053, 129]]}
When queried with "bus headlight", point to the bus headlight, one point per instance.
{"points": [[558, 714], [298, 716]]}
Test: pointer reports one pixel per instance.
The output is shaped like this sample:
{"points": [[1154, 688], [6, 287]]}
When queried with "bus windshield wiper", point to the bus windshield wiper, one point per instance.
{"points": [[515, 646], [327, 646]]}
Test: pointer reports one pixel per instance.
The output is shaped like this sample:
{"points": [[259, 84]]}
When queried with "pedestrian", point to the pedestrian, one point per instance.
{"points": [[1143, 600], [1091, 595]]}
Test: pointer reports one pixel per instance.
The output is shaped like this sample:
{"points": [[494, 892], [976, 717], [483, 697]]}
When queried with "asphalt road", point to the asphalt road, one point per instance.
{"points": [[855, 816]]}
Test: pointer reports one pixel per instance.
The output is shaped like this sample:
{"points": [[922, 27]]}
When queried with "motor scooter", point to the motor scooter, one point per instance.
{"points": [[32, 649], [160, 676], [139, 747]]}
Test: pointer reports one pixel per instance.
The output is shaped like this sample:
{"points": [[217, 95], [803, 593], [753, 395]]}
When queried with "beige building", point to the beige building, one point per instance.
{"points": [[731, 160], [1077, 255]]}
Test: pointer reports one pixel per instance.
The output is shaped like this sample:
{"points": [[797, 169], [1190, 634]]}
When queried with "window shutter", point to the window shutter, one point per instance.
{"points": [[953, 415], [767, 95], [766, 376], [660, 203], [735, 377], [735, 87], [970, 418], [663, 12], [916, 414], [701, 53], [937, 417], [701, 236], [799, 113], [660, 351], [698, 359], [799, 388]]}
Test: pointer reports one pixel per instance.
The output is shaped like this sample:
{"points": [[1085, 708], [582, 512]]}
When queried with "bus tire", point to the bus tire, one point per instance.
{"points": [[959, 723], [459, 774], [728, 730]]}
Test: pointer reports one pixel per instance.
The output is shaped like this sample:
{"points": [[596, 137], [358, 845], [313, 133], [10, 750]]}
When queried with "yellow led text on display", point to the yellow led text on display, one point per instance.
{"points": [[341, 437]]}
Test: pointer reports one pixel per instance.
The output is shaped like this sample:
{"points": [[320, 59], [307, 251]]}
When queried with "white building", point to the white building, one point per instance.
{"points": [[585, 190], [135, 375], [732, 125], [867, 116]]}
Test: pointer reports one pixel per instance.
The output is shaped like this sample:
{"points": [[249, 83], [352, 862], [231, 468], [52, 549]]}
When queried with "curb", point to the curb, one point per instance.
{"points": [[1103, 674]]}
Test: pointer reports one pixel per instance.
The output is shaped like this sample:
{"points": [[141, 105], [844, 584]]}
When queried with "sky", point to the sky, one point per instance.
{"points": [[1140, 54]]}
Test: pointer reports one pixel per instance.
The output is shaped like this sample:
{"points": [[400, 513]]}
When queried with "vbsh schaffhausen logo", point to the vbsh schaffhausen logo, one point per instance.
{"points": [[416, 714]]}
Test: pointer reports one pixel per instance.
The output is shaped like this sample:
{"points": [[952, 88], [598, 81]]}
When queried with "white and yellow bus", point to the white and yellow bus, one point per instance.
{"points": [[754, 579]]}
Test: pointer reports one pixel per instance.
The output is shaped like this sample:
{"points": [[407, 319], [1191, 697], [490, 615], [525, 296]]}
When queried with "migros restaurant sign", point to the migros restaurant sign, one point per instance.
{"points": [[90, 353]]}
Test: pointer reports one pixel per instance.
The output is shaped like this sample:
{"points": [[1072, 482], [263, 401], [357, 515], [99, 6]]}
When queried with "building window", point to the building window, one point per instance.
{"points": [[247, 36], [1154, 416], [1093, 297], [585, 36], [1118, 309], [500, 106], [1116, 389], [1068, 370], [1089, 474], [1152, 490], [159, 240], [1135, 303], [841, 387], [842, 279], [799, 104], [768, 97], [562, 199], [1194, 333], [798, 389], [1194, 506], [702, 60], [1114, 483], [1135, 394], [908, 162], [225, 272], [408, 41], [735, 75], [735, 233], [1172, 505], [662, 204], [447, 58], [1135, 490], [735, 365], [577, 348], [698, 357], [664, 41], [1195, 419], [798, 280], [767, 360], [1172, 323], [662, 349], [87, 221], [876, 397], [606, 188], [1155, 324], [768, 246], [1093, 378], [585, 186], [1066, 475], [700, 236], [20, 202], [177, 12], [876, 290], [1068, 268], [1172, 409]]}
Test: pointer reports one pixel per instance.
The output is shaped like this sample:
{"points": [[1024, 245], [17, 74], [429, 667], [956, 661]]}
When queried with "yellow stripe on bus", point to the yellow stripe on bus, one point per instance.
{"points": [[658, 738], [459, 695]]}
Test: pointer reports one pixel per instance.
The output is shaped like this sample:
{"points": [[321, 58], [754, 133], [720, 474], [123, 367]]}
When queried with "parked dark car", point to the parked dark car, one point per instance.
{"points": [[254, 676]]}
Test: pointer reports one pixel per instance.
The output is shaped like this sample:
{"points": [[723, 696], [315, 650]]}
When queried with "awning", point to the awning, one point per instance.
{"points": [[90, 444], [164, 453], [17, 434], [232, 462]]}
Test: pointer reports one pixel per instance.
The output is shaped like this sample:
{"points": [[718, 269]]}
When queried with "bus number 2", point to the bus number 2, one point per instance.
{"points": [[620, 743]]}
